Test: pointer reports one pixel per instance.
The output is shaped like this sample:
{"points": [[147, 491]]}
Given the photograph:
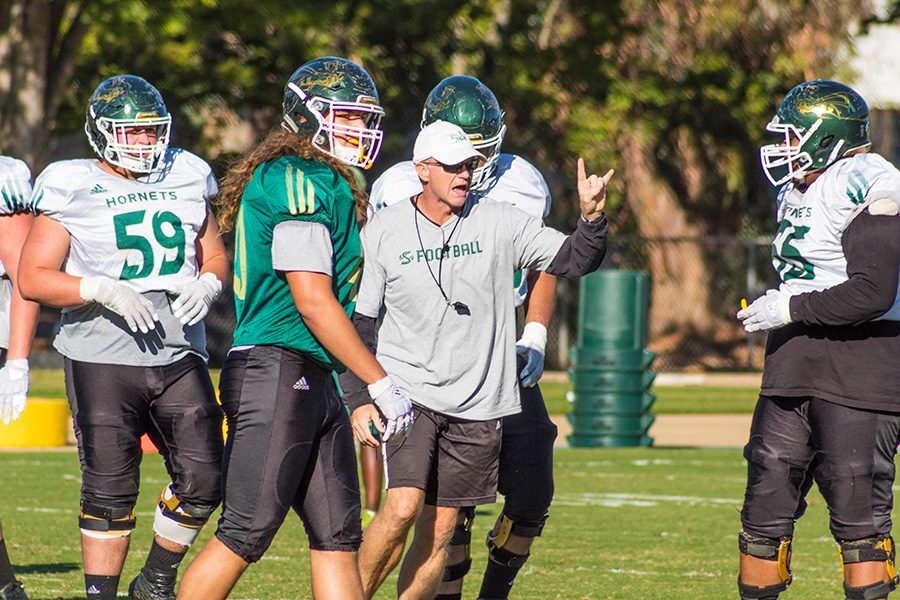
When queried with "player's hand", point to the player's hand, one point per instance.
{"points": [[361, 420], [13, 389], [531, 347], [195, 298], [137, 311], [395, 406], [767, 312], [592, 192]]}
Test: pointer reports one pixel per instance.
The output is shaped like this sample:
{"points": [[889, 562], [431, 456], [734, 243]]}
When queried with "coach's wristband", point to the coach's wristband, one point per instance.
{"points": [[380, 386]]}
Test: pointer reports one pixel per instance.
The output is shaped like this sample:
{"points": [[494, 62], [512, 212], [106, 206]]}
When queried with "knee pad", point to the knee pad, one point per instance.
{"points": [[775, 550], [495, 543], [873, 549], [462, 536], [179, 521], [751, 592], [520, 527], [100, 521]]}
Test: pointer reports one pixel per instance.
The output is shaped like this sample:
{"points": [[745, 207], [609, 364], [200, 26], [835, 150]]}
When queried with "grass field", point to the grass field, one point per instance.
{"points": [[693, 399], [627, 524]]}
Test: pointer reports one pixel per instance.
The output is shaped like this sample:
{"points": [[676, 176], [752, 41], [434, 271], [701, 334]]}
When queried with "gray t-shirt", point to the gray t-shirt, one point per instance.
{"points": [[457, 364], [92, 333]]}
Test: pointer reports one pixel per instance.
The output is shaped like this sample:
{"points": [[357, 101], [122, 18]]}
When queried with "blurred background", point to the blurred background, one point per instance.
{"points": [[673, 94]]}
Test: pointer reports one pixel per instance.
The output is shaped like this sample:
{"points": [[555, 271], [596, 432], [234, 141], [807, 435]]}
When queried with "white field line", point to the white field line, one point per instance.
{"points": [[657, 573], [639, 500]]}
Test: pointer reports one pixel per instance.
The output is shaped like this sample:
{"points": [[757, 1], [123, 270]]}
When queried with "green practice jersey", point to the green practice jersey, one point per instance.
{"points": [[290, 188]]}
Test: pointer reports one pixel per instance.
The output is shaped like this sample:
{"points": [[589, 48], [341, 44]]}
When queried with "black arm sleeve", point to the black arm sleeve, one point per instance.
{"points": [[583, 251], [356, 392], [872, 246]]}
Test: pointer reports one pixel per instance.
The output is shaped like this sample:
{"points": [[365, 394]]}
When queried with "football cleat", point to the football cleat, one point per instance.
{"points": [[13, 591], [152, 585]]}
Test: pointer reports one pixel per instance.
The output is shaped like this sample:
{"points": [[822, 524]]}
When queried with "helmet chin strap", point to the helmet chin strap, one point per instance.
{"points": [[347, 153]]}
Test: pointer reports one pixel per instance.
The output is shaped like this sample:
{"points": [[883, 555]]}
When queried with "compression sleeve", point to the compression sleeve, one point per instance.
{"points": [[871, 245], [583, 251]]}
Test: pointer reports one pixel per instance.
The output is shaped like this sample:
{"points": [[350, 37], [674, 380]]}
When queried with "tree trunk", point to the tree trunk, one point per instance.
{"points": [[35, 80], [25, 49], [680, 280]]}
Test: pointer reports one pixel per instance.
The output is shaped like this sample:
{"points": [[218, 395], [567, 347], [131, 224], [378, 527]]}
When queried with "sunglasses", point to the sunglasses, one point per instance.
{"points": [[467, 165]]}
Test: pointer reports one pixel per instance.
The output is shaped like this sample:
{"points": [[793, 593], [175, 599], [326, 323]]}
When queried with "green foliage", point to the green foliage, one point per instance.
{"points": [[696, 80]]}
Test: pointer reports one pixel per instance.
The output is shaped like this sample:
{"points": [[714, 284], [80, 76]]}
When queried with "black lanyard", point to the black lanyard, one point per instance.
{"points": [[459, 307]]}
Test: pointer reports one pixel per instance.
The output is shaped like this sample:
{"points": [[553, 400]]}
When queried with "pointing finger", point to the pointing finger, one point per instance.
{"points": [[581, 175]]}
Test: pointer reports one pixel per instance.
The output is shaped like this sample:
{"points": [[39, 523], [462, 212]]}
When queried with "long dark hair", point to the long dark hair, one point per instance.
{"points": [[277, 144]]}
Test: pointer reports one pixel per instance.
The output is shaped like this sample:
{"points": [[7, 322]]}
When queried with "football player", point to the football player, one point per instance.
{"points": [[126, 245], [18, 320], [526, 452], [438, 269], [828, 407], [293, 203]]}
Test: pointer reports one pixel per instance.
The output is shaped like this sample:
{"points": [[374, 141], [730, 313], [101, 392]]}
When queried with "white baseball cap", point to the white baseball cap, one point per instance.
{"points": [[446, 143]]}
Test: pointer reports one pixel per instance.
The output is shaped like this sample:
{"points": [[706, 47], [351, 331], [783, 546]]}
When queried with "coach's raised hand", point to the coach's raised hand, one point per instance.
{"points": [[592, 192]]}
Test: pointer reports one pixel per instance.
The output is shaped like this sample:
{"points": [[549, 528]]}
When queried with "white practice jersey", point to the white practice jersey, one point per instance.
{"points": [[807, 251], [141, 231], [15, 192], [517, 182], [15, 189]]}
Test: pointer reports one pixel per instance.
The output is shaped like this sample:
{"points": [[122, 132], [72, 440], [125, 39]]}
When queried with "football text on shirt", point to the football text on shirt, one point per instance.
{"points": [[430, 254]]}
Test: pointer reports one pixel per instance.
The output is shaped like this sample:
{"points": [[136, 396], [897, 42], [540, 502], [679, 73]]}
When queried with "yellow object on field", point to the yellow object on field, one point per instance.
{"points": [[743, 304], [43, 424]]}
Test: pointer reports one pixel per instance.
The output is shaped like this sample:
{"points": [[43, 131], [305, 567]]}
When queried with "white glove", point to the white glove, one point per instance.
{"points": [[394, 404], [195, 298], [137, 311], [531, 348], [767, 312], [13, 389]]}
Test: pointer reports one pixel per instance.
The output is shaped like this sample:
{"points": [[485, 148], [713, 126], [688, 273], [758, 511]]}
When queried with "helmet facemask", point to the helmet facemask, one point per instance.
{"points": [[822, 122], [790, 156], [332, 137], [137, 158], [483, 176]]}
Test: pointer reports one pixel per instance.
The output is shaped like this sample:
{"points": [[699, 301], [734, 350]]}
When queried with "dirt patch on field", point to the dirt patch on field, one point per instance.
{"points": [[707, 431]]}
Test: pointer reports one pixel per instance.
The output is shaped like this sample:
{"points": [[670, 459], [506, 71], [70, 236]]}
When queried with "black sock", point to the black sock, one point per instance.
{"points": [[162, 560], [456, 596], [101, 587], [498, 580], [6, 572]]}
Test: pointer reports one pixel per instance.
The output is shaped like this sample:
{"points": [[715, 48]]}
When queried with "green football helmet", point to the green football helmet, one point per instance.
{"points": [[465, 101], [118, 104], [322, 88], [822, 122]]}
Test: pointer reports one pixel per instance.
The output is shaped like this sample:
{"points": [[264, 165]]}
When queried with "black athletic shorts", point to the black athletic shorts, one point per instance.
{"points": [[289, 445], [454, 460], [114, 405], [526, 458], [847, 451]]}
